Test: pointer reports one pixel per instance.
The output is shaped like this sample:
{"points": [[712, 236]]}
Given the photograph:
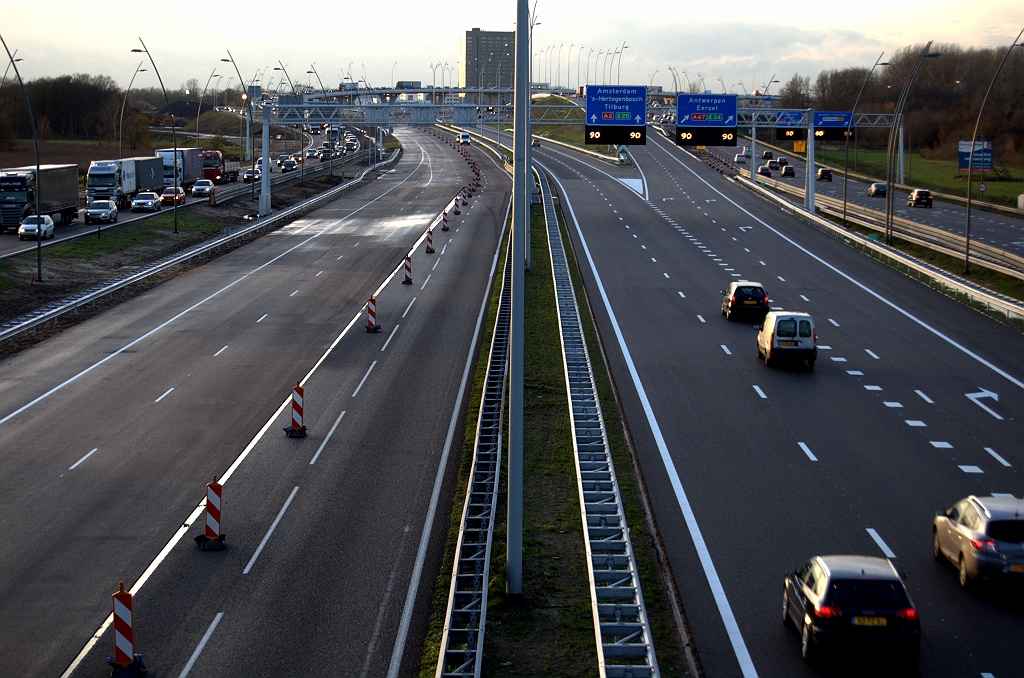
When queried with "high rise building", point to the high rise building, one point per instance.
{"points": [[488, 55]]}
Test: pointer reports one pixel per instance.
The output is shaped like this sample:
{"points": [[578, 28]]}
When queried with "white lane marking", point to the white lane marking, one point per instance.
{"points": [[971, 469], [273, 526], [665, 274], [643, 247], [428, 523], [804, 298], [701, 318], [293, 294], [425, 282], [166, 393], [436, 262], [654, 260], [876, 295], [682, 295], [363, 380], [328, 437], [220, 351], [871, 353], [710, 572], [871, 387], [390, 336], [339, 258], [985, 674], [317, 275], [925, 398], [199, 648], [760, 262], [409, 306], [781, 278], [807, 451], [726, 349], [263, 316], [759, 391], [73, 466], [384, 606], [915, 422], [995, 455], [825, 348], [444, 248], [939, 444], [881, 544], [985, 393], [892, 403], [855, 373]]}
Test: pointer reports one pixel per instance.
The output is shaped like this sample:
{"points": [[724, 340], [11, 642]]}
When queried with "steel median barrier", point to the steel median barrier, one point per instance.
{"points": [[53, 312]]}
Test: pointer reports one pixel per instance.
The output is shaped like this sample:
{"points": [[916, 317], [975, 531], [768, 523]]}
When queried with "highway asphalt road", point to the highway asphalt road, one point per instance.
{"points": [[751, 469], [111, 430], [997, 230]]}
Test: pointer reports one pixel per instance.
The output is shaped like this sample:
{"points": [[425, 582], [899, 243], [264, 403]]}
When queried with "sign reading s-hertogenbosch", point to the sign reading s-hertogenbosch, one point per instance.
{"points": [[616, 115], [706, 110]]}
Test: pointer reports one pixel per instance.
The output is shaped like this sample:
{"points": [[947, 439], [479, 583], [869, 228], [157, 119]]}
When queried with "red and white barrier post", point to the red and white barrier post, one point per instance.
{"points": [[297, 429], [408, 271], [212, 538], [430, 241], [444, 221], [124, 661], [371, 315]]}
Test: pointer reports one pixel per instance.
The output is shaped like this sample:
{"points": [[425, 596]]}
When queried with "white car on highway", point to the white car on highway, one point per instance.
{"points": [[146, 201], [27, 230]]}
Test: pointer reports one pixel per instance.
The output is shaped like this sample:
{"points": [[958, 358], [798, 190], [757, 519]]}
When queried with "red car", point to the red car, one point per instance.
{"points": [[173, 196]]}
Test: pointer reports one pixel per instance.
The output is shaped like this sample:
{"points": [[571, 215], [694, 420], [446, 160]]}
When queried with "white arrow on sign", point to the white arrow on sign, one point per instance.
{"points": [[984, 393], [593, 118], [639, 119], [728, 120], [685, 118]]}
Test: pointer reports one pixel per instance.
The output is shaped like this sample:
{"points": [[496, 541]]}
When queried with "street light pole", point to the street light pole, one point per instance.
{"points": [[970, 161], [120, 123], [199, 112], [618, 75], [35, 143], [174, 134], [849, 131]]}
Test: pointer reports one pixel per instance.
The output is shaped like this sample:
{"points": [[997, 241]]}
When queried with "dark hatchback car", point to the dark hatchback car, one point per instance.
{"points": [[856, 604], [824, 174], [919, 196], [767, 155], [789, 171], [744, 299], [876, 190]]}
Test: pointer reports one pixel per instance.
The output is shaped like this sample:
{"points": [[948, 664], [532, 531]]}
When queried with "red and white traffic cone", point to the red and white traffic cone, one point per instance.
{"points": [[408, 271], [444, 221], [124, 661], [297, 429], [371, 316], [430, 241], [211, 538]]}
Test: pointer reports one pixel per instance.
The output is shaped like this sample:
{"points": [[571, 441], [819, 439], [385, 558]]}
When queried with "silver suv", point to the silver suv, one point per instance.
{"points": [[983, 536]]}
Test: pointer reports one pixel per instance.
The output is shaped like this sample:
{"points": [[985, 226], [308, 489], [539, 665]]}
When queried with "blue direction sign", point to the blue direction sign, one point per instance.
{"points": [[789, 119], [614, 105], [832, 118], [706, 110]]}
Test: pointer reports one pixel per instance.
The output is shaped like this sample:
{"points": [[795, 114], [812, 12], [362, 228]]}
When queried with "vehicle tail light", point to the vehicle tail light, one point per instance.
{"points": [[732, 299], [815, 337], [827, 611], [908, 613], [986, 545], [771, 341]]}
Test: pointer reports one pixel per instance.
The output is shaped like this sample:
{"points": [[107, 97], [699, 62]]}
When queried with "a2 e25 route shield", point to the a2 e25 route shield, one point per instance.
{"points": [[616, 115]]}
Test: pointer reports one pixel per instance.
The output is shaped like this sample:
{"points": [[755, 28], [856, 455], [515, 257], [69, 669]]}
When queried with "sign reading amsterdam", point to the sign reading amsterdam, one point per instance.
{"points": [[616, 115], [706, 119]]}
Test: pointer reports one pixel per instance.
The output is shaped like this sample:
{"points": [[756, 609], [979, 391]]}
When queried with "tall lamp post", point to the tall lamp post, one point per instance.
{"points": [[849, 130], [174, 134], [199, 112], [35, 143], [618, 74], [120, 123], [248, 107], [970, 161]]}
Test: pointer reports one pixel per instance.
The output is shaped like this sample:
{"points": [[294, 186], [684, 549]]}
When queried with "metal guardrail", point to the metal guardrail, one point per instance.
{"points": [[53, 311], [462, 639], [623, 631]]}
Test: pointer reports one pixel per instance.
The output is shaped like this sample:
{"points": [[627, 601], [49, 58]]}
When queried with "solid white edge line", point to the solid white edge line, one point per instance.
{"points": [[428, 523], [994, 454], [853, 280], [202, 643], [75, 465], [881, 544], [273, 526], [807, 451], [390, 337], [409, 306], [326, 439], [718, 591], [363, 380]]}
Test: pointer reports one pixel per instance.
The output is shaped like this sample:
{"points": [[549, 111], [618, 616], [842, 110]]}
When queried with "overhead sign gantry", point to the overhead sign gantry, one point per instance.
{"points": [[616, 115]]}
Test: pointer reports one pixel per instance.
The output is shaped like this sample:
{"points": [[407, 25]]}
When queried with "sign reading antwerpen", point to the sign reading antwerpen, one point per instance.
{"points": [[616, 115], [706, 119]]}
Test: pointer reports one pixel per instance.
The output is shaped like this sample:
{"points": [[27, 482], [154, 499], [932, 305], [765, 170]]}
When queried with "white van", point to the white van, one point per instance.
{"points": [[786, 335], [464, 138]]}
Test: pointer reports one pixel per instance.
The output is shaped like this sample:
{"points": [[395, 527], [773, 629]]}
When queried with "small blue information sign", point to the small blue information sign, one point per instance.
{"points": [[785, 118], [706, 110], [832, 118]]}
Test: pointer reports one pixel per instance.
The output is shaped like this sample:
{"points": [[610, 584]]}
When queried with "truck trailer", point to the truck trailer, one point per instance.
{"points": [[120, 180], [189, 165], [57, 186], [218, 169]]}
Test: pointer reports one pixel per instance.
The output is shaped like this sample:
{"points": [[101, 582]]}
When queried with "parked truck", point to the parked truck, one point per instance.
{"points": [[189, 165], [57, 186], [218, 169], [120, 180]]}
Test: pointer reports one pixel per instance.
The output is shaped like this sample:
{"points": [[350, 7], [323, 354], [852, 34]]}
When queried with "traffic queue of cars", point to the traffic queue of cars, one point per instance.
{"points": [[852, 605]]}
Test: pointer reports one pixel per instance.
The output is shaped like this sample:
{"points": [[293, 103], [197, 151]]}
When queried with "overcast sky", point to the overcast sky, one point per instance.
{"points": [[737, 41]]}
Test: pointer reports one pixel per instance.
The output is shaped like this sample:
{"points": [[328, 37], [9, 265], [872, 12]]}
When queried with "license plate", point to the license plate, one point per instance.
{"points": [[787, 343], [1017, 568], [750, 302], [869, 621]]}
